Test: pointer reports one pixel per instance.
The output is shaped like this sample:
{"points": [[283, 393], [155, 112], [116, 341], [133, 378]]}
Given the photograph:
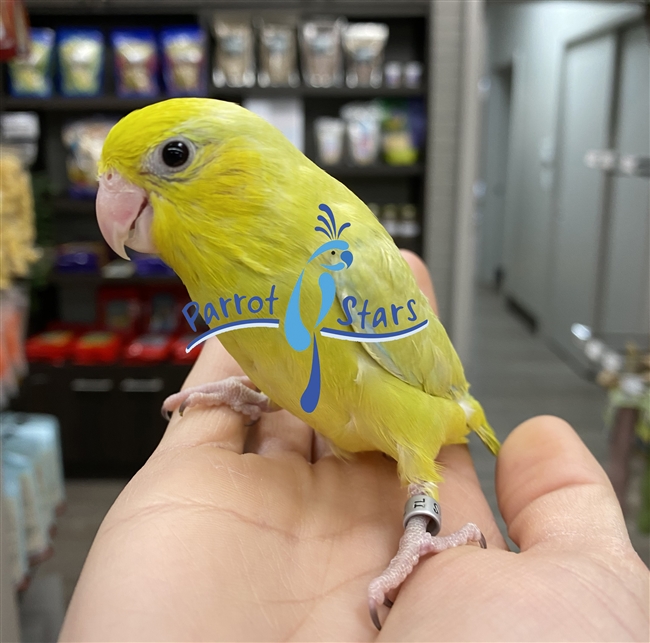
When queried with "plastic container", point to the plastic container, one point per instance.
{"points": [[329, 139], [19, 132], [364, 43], [413, 74], [234, 58], [83, 140], [320, 48], [363, 122], [278, 54], [393, 74]]}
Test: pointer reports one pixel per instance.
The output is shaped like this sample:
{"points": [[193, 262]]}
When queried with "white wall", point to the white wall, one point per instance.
{"points": [[531, 37], [456, 57]]}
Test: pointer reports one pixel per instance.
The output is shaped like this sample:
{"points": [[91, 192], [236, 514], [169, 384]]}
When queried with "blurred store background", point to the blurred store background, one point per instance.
{"points": [[508, 143]]}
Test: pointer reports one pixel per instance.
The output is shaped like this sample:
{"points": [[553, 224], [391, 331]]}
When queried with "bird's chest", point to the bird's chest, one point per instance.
{"points": [[336, 376], [259, 327]]}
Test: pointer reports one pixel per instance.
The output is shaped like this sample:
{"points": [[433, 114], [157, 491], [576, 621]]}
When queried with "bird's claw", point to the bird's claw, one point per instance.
{"points": [[167, 415], [372, 606], [236, 392], [416, 542]]}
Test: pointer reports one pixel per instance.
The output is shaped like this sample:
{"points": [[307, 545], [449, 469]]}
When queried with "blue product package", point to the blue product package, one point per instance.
{"points": [[184, 61], [37, 540], [81, 61], [417, 118], [36, 451], [14, 529], [152, 267], [42, 431], [77, 263], [31, 75], [136, 62]]}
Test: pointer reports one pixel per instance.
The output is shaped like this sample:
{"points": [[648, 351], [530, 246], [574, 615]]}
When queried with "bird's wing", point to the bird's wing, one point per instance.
{"points": [[380, 275]]}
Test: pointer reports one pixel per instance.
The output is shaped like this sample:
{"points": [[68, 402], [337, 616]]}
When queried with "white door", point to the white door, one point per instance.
{"points": [[600, 268], [624, 313], [585, 113]]}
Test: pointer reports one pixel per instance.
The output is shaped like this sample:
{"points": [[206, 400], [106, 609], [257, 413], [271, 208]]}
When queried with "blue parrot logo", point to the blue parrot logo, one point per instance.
{"points": [[297, 334], [332, 256]]}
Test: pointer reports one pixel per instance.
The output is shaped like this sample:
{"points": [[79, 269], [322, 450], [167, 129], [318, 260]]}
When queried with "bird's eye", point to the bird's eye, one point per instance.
{"points": [[333, 252], [175, 154]]}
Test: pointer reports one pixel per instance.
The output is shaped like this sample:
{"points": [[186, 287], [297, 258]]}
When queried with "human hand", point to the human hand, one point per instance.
{"points": [[281, 542]]}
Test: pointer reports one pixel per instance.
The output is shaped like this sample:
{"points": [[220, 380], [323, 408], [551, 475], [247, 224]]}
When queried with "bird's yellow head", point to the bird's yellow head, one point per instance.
{"points": [[187, 165]]}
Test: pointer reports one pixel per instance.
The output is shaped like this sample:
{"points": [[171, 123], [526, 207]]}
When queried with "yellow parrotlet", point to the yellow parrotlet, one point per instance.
{"points": [[255, 230]]}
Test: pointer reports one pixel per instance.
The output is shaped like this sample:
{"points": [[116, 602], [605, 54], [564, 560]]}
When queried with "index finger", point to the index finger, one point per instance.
{"points": [[219, 426]]}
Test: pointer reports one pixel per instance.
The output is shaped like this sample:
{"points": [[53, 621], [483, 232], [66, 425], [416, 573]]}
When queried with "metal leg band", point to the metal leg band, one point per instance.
{"points": [[421, 505]]}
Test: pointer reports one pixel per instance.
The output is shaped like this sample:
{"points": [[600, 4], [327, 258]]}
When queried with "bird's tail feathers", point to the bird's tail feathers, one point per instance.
{"points": [[478, 423]]}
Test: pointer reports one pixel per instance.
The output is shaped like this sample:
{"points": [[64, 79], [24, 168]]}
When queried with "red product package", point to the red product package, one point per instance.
{"points": [[146, 349], [179, 354], [53, 346], [97, 347], [120, 311], [14, 29]]}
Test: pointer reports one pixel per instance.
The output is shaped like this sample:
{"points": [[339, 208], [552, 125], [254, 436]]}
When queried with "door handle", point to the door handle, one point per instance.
{"points": [[138, 385], [617, 163], [604, 160], [634, 165], [90, 385]]}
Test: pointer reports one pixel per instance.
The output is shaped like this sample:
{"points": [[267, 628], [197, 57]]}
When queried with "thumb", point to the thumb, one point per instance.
{"points": [[553, 493]]}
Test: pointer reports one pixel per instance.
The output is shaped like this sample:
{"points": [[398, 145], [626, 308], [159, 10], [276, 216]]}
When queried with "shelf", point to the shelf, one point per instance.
{"points": [[86, 207], [91, 279], [349, 8], [78, 207], [115, 103], [111, 369], [62, 104], [377, 170], [322, 92]]}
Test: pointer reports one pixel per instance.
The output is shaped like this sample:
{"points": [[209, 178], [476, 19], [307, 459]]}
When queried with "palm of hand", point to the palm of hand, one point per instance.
{"points": [[208, 544]]}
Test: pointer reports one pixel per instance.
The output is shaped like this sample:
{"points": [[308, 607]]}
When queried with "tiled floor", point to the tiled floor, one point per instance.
{"points": [[516, 376], [513, 374], [88, 501]]}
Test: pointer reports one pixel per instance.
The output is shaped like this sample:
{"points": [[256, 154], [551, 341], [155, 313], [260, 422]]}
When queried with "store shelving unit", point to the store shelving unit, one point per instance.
{"points": [[49, 388], [109, 414], [61, 103]]}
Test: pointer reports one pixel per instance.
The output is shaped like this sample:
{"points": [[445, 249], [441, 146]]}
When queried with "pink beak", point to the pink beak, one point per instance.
{"points": [[124, 214]]}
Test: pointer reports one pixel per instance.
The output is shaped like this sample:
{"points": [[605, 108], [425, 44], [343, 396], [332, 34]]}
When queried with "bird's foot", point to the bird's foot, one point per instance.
{"points": [[237, 392], [416, 542]]}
